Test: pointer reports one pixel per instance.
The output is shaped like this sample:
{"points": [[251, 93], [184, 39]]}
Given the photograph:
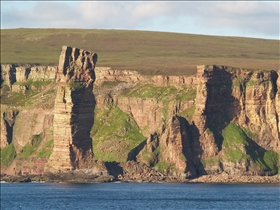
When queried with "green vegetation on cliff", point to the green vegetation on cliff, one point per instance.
{"points": [[237, 145], [8, 154], [115, 134], [188, 113], [34, 84], [268, 161], [169, 93], [30, 94], [234, 142], [46, 150], [164, 167], [30, 148], [76, 85], [211, 161]]}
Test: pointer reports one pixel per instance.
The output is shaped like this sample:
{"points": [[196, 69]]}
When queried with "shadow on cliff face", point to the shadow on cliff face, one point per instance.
{"points": [[135, 151], [187, 136], [9, 120], [1, 78], [221, 106], [258, 153], [196, 149], [114, 168], [81, 121]]}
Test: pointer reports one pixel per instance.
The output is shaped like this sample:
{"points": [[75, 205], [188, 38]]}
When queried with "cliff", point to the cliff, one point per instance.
{"points": [[221, 120], [227, 119]]}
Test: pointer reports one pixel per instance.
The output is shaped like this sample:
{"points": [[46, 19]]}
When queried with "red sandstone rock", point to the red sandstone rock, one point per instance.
{"points": [[73, 111]]}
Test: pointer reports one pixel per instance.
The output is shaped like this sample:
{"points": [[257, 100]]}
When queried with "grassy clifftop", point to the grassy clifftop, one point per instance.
{"points": [[147, 52]]}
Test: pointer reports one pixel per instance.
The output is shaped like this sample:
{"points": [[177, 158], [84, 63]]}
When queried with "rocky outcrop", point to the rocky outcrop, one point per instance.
{"points": [[35, 73], [73, 111], [149, 113], [135, 171], [40, 122], [8, 74], [170, 150], [226, 178], [106, 74], [12, 73]]}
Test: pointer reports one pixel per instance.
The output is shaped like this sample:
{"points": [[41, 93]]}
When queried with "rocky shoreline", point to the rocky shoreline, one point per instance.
{"points": [[85, 178], [225, 178]]}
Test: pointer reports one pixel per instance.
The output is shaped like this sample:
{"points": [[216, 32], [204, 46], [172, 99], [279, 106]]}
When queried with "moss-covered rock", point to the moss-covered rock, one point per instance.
{"points": [[115, 134]]}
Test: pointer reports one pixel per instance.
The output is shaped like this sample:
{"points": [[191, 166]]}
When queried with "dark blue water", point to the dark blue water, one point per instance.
{"points": [[37, 196]]}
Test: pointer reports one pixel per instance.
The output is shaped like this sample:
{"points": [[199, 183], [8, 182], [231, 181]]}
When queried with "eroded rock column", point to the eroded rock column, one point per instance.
{"points": [[73, 112]]}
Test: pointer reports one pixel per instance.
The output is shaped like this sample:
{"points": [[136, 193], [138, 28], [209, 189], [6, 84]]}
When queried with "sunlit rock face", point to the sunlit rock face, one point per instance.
{"points": [[73, 112]]}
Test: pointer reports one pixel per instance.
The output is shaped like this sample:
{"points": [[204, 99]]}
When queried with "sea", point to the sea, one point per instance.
{"points": [[134, 196]]}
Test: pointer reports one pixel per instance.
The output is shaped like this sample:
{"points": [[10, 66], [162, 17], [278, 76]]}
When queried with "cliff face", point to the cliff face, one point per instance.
{"points": [[73, 111], [106, 74], [206, 141], [261, 108], [221, 120], [12, 73], [243, 97], [169, 151]]}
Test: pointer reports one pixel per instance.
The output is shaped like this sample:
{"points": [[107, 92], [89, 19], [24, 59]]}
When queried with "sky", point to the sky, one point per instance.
{"points": [[257, 19]]}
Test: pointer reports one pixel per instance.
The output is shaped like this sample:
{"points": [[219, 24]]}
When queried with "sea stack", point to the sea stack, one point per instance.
{"points": [[73, 112]]}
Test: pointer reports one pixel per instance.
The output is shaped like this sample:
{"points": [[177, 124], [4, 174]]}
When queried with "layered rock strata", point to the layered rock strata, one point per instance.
{"points": [[12, 73], [248, 99], [106, 74], [178, 143], [73, 111]]}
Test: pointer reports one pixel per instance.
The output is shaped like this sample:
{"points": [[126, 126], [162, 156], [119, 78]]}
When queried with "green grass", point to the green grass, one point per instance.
{"points": [[39, 94], [163, 94], [234, 135], [234, 142], [268, 161], [109, 84], [169, 93], [211, 161], [34, 84], [237, 146], [30, 148], [76, 85], [114, 134], [249, 133], [46, 150], [151, 157], [164, 167], [238, 81], [145, 51], [188, 113], [8, 154]]}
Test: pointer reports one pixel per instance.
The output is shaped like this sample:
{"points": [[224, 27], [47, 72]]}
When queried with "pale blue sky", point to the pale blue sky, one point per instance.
{"points": [[232, 18]]}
